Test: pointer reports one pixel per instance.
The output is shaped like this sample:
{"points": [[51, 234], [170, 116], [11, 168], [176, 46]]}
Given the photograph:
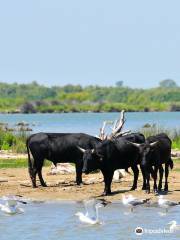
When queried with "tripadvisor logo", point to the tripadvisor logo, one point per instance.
{"points": [[139, 231]]}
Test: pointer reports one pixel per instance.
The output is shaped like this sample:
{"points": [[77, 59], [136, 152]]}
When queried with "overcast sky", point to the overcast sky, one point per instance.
{"points": [[57, 42]]}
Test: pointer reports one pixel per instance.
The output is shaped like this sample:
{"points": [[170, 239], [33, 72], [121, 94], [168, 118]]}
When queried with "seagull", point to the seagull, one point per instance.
{"points": [[11, 205], [86, 218], [164, 203], [131, 201], [174, 227]]}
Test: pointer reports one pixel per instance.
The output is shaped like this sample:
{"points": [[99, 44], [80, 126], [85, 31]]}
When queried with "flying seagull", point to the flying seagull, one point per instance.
{"points": [[11, 205], [86, 218]]}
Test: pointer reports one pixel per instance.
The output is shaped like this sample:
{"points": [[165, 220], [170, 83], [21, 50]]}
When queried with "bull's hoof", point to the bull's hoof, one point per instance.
{"points": [[106, 193], [155, 190], [133, 188], [44, 185], [143, 187], [166, 189], [147, 191], [79, 183]]}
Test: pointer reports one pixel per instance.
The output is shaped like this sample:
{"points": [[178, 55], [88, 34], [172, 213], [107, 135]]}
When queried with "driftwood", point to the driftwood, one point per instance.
{"points": [[102, 134], [116, 129]]}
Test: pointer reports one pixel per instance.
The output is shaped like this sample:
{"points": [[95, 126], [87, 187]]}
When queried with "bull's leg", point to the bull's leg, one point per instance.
{"points": [[155, 179], [136, 174], [161, 171], [38, 166], [33, 173], [39, 171], [79, 173], [147, 181], [144, 178], [108, 176], [43, 184], [166, 177]]}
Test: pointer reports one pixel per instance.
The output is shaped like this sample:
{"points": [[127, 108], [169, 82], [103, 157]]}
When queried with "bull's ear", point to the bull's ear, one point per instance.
{"points": [[81, 149], [153, 144]]}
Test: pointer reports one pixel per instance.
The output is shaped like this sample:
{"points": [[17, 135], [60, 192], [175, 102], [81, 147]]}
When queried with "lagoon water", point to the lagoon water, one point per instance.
{"points": [[57, 220], [90, 122]]}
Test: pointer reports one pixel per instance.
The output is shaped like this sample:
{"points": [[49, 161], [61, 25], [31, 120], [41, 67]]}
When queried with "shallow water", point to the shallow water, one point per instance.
{"points": [[90, 122], [56, 220]]}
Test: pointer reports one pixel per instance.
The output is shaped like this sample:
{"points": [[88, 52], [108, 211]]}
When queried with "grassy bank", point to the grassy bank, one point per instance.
{"points": [[23, 163], [17, 163]]}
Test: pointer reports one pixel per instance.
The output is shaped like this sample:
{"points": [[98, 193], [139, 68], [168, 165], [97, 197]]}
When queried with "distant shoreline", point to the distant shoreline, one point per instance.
{"points": [[115, 111], [35, 98]]}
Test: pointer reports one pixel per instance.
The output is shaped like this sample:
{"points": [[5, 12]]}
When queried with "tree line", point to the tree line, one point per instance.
{"points": [[34, 97]]}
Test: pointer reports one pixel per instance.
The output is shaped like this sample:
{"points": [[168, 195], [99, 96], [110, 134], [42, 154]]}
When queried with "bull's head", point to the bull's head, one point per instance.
{"points": [[146, 150], [91, 161]]}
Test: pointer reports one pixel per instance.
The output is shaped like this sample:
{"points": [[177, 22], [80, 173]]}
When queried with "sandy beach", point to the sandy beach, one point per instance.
{"points": [[63, 187]]}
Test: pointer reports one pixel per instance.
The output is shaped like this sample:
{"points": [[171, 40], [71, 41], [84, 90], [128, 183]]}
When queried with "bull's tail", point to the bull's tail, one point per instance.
{"points": [[170, 163], [30, 167]]}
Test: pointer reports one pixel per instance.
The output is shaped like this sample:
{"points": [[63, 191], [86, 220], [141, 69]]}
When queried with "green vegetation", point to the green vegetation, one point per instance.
{"points": [[15, 141], [29, 98], [17, 163], [174, 134]]}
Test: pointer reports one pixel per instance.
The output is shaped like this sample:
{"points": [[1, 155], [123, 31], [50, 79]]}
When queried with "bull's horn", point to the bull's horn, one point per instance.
{"points": [[81, 149], [153, 144], [135, 144], [92, 150]]}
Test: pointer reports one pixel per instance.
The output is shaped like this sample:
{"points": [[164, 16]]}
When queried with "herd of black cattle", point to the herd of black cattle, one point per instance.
{"points": [[89, 153]]}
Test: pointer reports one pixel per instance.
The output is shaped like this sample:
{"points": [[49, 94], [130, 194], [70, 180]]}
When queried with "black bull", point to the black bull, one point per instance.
{"points": [[57, 147], [109, 156], [155, 152]]}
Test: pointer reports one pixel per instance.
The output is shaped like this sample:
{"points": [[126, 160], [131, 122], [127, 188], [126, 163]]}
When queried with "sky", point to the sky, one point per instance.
{"points": [[58, 42]]}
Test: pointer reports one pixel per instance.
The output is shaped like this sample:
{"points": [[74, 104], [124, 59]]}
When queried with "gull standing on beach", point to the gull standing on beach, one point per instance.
{"points": [[164, 203], [132, 202]]}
